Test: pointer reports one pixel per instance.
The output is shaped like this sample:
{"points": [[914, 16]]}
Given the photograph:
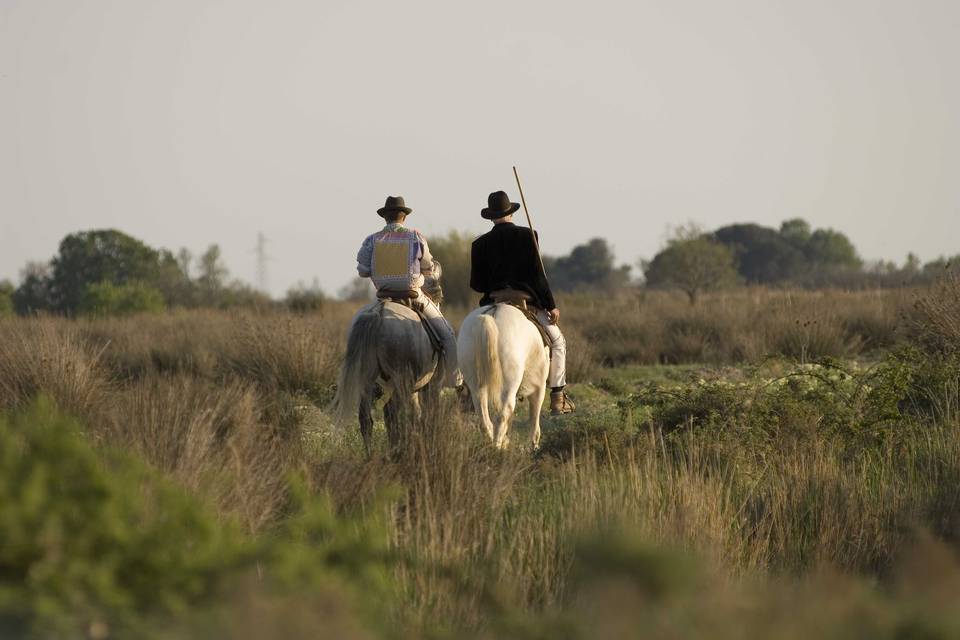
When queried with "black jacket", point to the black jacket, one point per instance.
{"points": [[506, 257]]}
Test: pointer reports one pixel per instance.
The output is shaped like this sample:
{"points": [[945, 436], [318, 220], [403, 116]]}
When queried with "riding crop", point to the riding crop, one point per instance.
{"points": [[536, 241]]}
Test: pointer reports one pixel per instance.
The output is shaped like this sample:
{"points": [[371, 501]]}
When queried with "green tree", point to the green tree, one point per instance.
{"points": [[108, 299], [173, 278], [693, 262], [763, 255], [213, 275], [912, 264], [452, 251], [587, 266], [831, 250], [91, 257], [34, 294], [796, 231]]}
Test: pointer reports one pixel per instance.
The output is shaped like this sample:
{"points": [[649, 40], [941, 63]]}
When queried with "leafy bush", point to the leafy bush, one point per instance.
{"points": [[96, 543], [302, 299], [812, 399], [89, 542], [583, 435], [107, 299]]}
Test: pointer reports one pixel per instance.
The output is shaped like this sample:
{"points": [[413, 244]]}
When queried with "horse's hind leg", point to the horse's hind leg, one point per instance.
{"points": [[503, 424], [536, 405], [392, 416], [366, 419], [417, 406], [482, 406], [509, 404]]}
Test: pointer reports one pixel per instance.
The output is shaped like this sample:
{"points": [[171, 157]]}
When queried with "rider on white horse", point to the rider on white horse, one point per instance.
{"points": [[398, 259], [506, 258]]}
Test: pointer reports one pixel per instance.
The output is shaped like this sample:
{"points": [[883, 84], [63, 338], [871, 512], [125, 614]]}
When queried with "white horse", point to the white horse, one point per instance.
{"points": [[502, 357]]}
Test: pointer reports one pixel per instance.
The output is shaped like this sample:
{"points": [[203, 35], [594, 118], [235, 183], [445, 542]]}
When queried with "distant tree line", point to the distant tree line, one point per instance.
{"points": [[107, 272], [695, 260], [795, 255]]}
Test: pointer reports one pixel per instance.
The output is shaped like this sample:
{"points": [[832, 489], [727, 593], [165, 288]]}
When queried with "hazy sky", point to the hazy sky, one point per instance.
{"points": [[187, 122]]}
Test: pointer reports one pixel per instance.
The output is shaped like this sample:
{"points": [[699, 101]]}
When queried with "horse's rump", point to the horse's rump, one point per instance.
{"points": [[387, 341], [501, 357]]}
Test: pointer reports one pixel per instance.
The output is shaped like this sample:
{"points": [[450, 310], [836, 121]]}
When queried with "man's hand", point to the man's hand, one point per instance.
{"points": [[554, 316]]}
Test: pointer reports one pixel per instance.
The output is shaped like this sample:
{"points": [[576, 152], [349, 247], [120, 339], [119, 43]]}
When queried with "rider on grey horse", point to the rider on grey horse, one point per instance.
{"points": [[398, 259], [505, 259]]}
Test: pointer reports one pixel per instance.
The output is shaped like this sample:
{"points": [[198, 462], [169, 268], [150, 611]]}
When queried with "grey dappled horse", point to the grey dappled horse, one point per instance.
{"points": [[388, 345]]}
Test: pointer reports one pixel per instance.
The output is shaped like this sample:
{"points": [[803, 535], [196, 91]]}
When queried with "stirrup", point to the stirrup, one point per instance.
{"points": [[560, 404]]}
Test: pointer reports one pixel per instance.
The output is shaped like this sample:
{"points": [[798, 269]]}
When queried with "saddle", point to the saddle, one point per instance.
{"points": [[521, 300], [406, 298]]}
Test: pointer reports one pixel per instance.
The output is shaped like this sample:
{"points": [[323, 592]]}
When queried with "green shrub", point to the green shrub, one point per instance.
{"points": [[602, 437], [106, 299], [807, 400], [96, 541], [91, 541], [304, 300]]}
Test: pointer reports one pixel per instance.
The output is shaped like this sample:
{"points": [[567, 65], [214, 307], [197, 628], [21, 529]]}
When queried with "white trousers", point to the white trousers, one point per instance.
{"points": [[447, 336], [558, 351]]}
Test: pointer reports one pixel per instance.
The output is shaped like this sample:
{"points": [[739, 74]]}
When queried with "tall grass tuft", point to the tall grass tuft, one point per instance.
{"points": [[50, 356], [214, 439]]}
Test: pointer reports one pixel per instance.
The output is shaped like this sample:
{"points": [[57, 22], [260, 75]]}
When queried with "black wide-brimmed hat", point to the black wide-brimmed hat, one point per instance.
{"points": [[498, 206], [394, 203]]}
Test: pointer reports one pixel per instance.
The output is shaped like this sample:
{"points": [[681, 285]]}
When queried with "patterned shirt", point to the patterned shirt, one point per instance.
{"points": [[395, 258]]}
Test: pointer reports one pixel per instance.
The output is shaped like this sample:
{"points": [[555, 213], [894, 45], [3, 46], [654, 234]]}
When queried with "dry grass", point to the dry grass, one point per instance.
{"points": [[50, 356], [745, 325], [214, 439], [208, 398], [935, 318], [278, 351]]}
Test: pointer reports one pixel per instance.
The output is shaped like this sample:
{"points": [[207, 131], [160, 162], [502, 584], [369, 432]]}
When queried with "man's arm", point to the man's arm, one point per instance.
{"points": [[365, 258], [426, 259], [540, 284], [478, 274]]}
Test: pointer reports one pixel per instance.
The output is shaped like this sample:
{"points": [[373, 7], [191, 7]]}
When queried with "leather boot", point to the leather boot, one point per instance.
{"points": [[560, 404], [464, 400]]}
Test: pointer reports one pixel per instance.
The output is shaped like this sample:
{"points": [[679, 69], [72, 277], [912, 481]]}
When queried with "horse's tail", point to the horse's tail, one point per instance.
{"points": [[360, 366], [487, 360]]}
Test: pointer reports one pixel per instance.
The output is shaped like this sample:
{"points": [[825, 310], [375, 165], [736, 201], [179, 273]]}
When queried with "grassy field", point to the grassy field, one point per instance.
{"points": [[765, 464]]}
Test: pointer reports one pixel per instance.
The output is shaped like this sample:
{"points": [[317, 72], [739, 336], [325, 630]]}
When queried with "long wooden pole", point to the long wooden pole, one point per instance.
{"points": [[536, 242]]}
